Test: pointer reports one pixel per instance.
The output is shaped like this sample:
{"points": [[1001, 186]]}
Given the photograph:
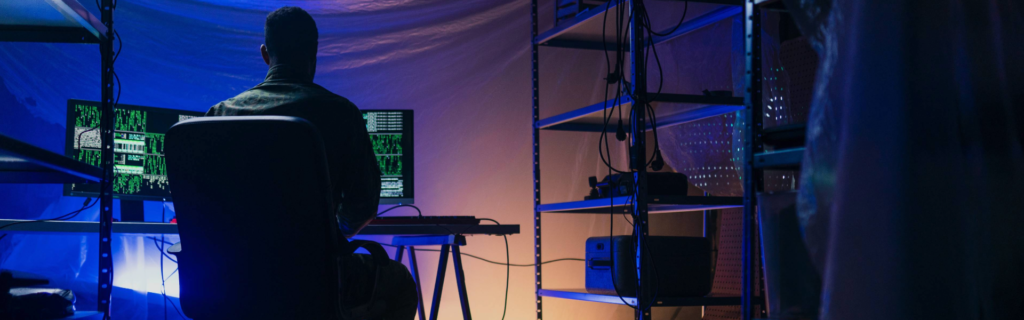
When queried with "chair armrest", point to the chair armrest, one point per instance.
{"points": [[175, 249]]}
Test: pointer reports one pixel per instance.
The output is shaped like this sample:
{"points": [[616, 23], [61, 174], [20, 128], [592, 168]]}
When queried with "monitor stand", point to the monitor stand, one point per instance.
{"points": [[132, 211]]}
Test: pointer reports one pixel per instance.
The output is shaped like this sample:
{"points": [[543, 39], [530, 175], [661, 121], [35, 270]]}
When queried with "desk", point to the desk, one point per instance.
{"points": [[88, 227], [452, 242]]}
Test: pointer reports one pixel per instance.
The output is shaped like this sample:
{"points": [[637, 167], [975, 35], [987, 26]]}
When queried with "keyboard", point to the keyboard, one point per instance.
{"points": [[428, 220]]}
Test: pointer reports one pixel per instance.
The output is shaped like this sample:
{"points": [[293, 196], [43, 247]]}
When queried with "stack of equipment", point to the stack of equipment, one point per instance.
{"points": [[682, 265]]}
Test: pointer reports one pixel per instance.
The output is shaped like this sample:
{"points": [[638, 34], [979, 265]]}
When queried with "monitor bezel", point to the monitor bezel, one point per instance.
{"points": [[69, 133]]}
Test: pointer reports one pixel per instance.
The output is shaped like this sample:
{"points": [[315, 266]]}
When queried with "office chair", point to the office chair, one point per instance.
{"points": [[259, 237]]}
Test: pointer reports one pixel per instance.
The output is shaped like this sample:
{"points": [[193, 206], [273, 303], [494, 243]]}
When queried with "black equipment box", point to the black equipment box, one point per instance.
{"points": [[658, 183], [682, 265], [567, 9]]}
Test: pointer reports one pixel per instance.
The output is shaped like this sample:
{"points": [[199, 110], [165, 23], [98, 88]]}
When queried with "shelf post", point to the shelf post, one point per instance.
{"points": [[638, 159], [751, 145], [106, 266], [536, 160]]}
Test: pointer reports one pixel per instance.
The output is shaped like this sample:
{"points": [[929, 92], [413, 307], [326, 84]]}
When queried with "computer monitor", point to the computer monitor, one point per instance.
{"points": [[140, 170], [391, 133]]}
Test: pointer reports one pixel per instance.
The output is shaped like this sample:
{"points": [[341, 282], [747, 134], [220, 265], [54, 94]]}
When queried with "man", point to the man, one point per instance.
{"points": [[290, 52]]}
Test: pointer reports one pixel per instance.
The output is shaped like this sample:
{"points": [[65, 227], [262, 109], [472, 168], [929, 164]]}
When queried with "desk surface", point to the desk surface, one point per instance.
{"points": [[168, 228]]}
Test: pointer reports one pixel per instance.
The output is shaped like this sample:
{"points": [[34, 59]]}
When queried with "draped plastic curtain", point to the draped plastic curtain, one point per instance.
{"points": [[914, 170]]}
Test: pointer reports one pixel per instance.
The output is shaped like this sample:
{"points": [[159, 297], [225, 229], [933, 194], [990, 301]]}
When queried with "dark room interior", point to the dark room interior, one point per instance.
{"points": [[524, 159]]}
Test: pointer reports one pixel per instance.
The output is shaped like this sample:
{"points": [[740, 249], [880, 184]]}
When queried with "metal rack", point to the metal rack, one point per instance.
{"points": [[577, 33], [756, 158], [66, 21]]}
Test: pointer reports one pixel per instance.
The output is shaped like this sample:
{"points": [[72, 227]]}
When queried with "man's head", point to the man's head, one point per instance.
{"points": [[290, 37]]}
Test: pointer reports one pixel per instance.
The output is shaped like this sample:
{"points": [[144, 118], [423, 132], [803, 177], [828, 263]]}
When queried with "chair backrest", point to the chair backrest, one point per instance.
{"points": [[258, 238]]}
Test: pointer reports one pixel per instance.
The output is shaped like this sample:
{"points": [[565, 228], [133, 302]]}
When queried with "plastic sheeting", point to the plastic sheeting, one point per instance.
{"points": [[913, 175]]}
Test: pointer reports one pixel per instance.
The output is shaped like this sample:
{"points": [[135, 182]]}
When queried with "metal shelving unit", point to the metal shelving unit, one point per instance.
{"points": [[655, 204], [584, 32], [583, 295], [21, 162], [67, 21], [761, 152]]}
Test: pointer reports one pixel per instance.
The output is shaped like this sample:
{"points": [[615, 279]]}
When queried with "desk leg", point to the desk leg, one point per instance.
{"points": [[442, 266], [460, 279], [416, 278]]}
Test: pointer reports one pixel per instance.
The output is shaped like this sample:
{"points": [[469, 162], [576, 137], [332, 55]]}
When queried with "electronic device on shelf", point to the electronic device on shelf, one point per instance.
{"points": [[391, 133], [426, 220], [684, 264], [567, 9], [658, 183]]}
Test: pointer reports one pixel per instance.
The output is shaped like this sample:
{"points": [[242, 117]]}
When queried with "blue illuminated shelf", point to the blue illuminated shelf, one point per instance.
{"points": [[21, 162], [780, 159], [591, 118], [49, 21], [584, 30], [656, 204], [583, 295], [85, 315]]}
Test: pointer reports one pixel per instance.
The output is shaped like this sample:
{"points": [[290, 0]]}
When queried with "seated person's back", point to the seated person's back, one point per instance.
{"points": [[288, 90]]}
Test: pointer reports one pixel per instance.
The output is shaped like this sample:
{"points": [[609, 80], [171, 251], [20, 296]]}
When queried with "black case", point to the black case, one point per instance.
{"points": [[683, 265]]}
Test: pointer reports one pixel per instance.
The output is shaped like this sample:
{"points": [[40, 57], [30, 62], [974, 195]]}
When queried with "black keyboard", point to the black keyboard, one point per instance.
{"points": [[430, 220]]}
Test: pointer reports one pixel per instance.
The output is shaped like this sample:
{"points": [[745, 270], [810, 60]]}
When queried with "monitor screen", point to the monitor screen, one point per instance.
{"points": [[391, 133], [140, 172]]}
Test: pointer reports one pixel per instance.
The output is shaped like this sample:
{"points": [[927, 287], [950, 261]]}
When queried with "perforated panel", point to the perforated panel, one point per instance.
{"points": [[729, 266], [800, 62]]}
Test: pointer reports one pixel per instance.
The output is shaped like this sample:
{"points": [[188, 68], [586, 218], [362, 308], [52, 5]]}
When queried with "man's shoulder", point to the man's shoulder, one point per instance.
{"points": [[267, 96], [326, 95]]}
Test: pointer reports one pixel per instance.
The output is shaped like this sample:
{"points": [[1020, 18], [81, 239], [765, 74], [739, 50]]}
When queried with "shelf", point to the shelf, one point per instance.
{"points": [[583, 295], [21, 162], [584, 30], [785, 136], [90, 227], [702, 21], [49, 21], [83, 315], [590, 118], [772, 4], [781, 159], [656, 204]]}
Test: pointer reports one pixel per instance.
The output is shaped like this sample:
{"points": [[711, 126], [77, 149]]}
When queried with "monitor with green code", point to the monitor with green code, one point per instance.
{"points": [[140, 171]]}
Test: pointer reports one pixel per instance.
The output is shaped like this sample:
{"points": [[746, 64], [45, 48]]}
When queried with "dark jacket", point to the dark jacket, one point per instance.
{"points": [[355, 176]]}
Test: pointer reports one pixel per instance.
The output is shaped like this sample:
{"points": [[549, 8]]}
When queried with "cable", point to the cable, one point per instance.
{"points": [[64, 217], [497, 262], [163, 282], [637, 11], [399, 206], [508, 268], [160, 245]]}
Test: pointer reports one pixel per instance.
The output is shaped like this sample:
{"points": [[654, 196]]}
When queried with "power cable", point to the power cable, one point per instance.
{"points": [[508, 268], [400, 206], [498, 262]]}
